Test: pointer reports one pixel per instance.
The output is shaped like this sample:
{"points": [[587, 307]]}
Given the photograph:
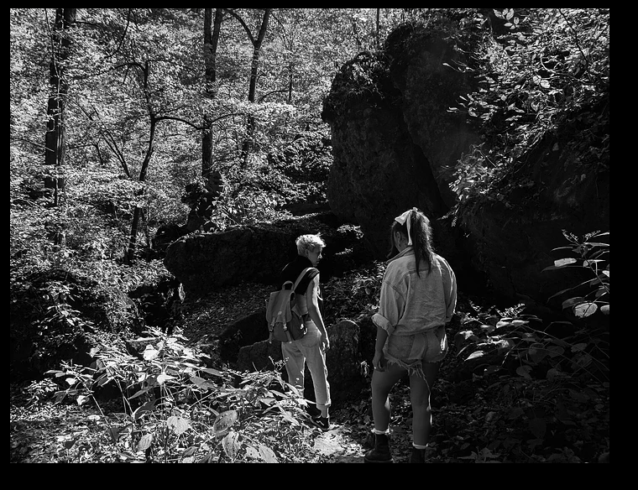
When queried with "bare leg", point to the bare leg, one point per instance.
{"points": [[420, 397], [382, 383]]}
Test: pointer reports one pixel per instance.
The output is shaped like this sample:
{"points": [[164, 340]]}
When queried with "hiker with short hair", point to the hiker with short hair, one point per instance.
{"points": [[418, 298], [311, 348]]}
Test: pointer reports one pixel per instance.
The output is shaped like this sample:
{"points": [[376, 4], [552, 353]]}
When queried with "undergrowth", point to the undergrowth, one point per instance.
{"points": [[174, 409], [514, 388]]}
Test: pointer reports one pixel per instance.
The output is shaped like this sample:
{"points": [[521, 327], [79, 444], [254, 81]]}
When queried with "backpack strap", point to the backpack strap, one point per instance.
{"points": [[301, 276]]}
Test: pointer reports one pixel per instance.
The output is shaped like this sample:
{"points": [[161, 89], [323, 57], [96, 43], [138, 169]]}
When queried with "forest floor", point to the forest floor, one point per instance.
{"points": [[485, 419]]}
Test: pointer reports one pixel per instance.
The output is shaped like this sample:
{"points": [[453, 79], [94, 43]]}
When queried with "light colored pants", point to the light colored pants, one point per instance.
{"points": [[308, 351]]}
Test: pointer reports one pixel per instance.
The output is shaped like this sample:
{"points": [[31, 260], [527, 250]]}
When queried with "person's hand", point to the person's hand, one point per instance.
{"points": [[325, 342], [378, 361]]}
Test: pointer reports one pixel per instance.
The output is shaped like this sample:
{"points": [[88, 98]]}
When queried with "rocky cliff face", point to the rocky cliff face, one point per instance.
{"points": [[513, 236], [394, 142], [396, 146]]}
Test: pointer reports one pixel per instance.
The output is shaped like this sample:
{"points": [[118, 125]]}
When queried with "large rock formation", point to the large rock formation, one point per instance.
{"points": [[515, 229], [394, 143], [395, 146], [343, 360], [256, 253], [419, 66]]}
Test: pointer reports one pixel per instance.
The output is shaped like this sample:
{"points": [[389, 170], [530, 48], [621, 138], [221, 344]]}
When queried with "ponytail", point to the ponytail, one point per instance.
{"points": [[419, 232]]}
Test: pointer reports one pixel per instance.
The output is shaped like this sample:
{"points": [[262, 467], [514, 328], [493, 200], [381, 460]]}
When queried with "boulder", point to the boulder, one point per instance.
{"points": [[419, 66], [259, 356], [256, 253], [248, 330], [396, 146], [394, 143], [345, 373], [514, 229], [167, 234]]}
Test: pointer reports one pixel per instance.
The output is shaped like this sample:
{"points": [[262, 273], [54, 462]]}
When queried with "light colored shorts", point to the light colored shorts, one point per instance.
{"points": [[411, 351]]}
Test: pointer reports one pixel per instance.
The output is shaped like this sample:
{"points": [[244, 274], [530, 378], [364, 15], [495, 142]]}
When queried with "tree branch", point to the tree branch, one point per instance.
{"points": [[585, 57], [112, 144], [179, 119], [128, 20], [241, 21], [199, 128], [261, 99], [39, 145]]}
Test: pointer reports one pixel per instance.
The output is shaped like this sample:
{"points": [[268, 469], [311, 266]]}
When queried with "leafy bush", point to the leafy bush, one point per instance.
{"points": [[592, 256], [364, 78], [178, 410], [527, 347], [549, 73], [355, 294], [299, 171], [553, 379]]}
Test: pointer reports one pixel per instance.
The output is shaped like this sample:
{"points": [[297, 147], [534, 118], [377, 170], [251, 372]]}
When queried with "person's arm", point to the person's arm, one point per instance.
{"points": [[391, 306], [314, 312], [450, 292], [378, 361]]}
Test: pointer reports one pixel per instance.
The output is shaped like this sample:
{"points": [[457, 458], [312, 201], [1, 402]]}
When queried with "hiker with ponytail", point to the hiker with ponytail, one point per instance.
{"points": [[418, 298]]}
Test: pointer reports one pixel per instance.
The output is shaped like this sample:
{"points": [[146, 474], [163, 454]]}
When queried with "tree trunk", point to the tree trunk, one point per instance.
{"points": [[378, 40], [355, 31], [55, 134], [290, 82], [256, 52], [211, 40], [139, 209], [137, 214], [250, 125]]}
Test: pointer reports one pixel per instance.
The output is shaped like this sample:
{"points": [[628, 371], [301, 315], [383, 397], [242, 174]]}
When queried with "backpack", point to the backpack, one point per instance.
{"points": [[284, 324]]}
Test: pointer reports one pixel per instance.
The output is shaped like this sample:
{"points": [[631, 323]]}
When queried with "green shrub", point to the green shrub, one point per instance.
{"points": [[530, 349], [178, 410], [594, 257], [548, 75]]}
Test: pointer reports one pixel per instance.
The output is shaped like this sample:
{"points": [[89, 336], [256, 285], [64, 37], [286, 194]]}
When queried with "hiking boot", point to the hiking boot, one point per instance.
{"points": [[381, 452], [322, 422], [418, 455], [313, 411]]}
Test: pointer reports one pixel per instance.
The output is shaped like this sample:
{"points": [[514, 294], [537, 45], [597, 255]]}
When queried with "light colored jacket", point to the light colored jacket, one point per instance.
{"points": [[412, 304]]}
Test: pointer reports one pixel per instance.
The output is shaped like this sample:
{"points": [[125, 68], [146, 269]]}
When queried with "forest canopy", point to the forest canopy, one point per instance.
{"points": [[129, 95], [117, 111]]}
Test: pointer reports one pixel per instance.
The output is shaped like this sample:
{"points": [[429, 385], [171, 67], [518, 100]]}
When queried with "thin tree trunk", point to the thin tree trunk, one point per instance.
{"points": [[211, 40], [355, 31], [378, 41], [137, 213], [139, 209], [290, 82], [55, 143], [256, 52], [254, 67]]}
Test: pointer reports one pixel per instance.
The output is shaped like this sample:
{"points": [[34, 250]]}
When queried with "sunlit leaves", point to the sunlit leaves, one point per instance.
{"points": [[231, 445], [145, 442], [267, 454], [178, 425], [224, 422], [583, 310], [523, 77]]}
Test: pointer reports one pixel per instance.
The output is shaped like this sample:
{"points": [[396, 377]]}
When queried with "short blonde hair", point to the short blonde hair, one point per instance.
{"points": [[309, 242]]}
